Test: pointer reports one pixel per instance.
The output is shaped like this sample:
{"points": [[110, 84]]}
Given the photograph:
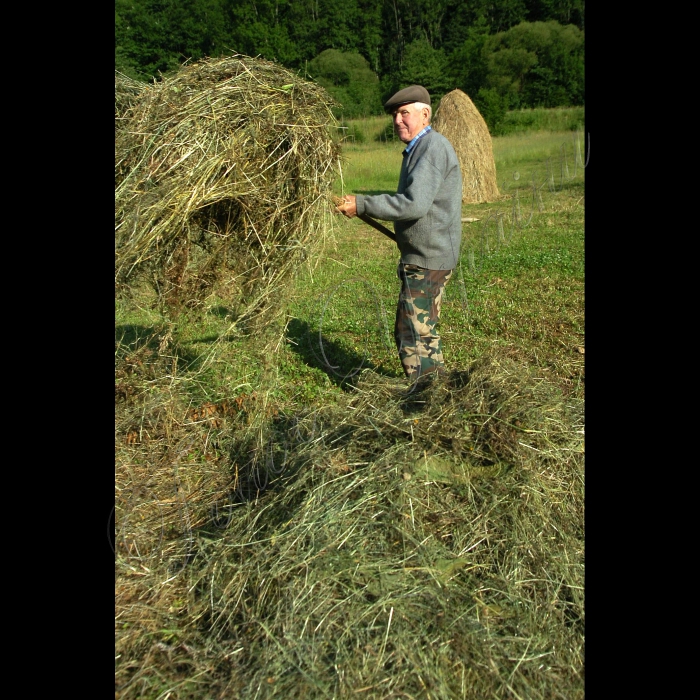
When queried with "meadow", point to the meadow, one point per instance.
{"points": [[290, 522]]}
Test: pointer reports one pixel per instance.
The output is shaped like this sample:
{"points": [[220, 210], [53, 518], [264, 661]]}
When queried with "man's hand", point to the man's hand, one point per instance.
{"points": [[347, 205]]}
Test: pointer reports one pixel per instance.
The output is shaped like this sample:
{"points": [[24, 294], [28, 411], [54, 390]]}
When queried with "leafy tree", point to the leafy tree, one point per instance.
{"points": [[426, 66], [504, 14], [506, 69], [430, 15], [371, 43], [349, 79], [467, 65], [563, 11], [317, 25], [558, 77], [460, 19], [492, 106], [140, 40], [260, 28], [125, 58], [537, 64], [443, 44], [156, 36]]}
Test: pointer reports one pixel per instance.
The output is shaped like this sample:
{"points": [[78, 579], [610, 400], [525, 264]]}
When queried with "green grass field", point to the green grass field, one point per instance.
{"points": [[520, 282], [362, 545]]}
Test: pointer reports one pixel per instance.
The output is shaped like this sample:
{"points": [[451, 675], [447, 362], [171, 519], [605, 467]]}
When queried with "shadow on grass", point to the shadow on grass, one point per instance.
{"points": [[341, 365], [221, 312], [265, 469], [130, 339]]}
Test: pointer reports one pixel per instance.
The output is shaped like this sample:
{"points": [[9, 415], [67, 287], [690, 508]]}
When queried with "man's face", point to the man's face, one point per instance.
{"points": [[408, 121]]}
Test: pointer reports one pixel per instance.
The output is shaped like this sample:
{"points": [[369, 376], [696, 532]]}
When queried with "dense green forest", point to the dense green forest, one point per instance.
{"points": [[505, 54]]}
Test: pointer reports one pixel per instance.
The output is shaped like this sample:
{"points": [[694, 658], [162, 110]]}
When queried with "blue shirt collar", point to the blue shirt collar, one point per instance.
{"points": [[414, 140]]}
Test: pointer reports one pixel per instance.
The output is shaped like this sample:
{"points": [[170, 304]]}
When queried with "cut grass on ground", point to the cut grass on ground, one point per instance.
{"points": [[292, 522]]}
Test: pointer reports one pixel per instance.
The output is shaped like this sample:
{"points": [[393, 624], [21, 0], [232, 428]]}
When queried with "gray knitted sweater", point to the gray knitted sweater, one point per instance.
{"points": [[427, 207]]}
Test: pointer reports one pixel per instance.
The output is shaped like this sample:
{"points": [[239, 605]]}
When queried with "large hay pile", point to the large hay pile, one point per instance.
{"points": [[223, 181], [393, 545], [126, 94], [458, 120]]}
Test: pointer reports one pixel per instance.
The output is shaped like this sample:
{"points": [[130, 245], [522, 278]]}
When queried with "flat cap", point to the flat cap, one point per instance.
{"points": [[412, 93]]}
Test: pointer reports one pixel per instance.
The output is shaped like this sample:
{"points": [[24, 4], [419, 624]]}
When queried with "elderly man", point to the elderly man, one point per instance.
{"points": [[426, 211]]}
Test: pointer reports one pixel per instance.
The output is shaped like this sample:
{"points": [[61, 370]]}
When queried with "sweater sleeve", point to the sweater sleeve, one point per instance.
{"points": [[422, 185]]}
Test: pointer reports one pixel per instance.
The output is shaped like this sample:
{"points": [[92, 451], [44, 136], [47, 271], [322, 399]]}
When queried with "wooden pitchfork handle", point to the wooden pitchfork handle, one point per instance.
{"points": [[369, 220], [375, 224]]}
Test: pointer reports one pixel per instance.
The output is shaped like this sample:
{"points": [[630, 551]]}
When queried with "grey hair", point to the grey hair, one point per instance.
{"points": [[420, 105]]}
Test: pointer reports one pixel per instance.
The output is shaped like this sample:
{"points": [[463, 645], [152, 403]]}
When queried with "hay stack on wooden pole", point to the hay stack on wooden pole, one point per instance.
{"points": [[458, 120], [223, 177]]}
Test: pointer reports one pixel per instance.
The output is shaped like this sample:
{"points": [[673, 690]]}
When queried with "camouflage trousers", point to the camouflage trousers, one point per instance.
{"points": [[417, 316]]}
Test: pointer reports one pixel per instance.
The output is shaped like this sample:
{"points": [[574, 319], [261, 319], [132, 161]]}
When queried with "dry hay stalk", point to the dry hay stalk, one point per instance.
{"points": [[395, 543], [126, 94], [458, 120], [223, 176]]}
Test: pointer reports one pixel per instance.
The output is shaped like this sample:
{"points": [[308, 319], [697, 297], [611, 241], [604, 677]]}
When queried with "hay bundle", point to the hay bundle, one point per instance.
{"points": [[223, 179], [458, 120], [126, 93]]}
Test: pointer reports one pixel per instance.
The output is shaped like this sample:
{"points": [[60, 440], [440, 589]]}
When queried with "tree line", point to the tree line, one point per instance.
{"points": [[505, 54]]}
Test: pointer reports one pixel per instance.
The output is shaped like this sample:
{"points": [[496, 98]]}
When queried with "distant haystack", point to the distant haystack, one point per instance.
{"points": [[223, 177], [458, 120]]}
